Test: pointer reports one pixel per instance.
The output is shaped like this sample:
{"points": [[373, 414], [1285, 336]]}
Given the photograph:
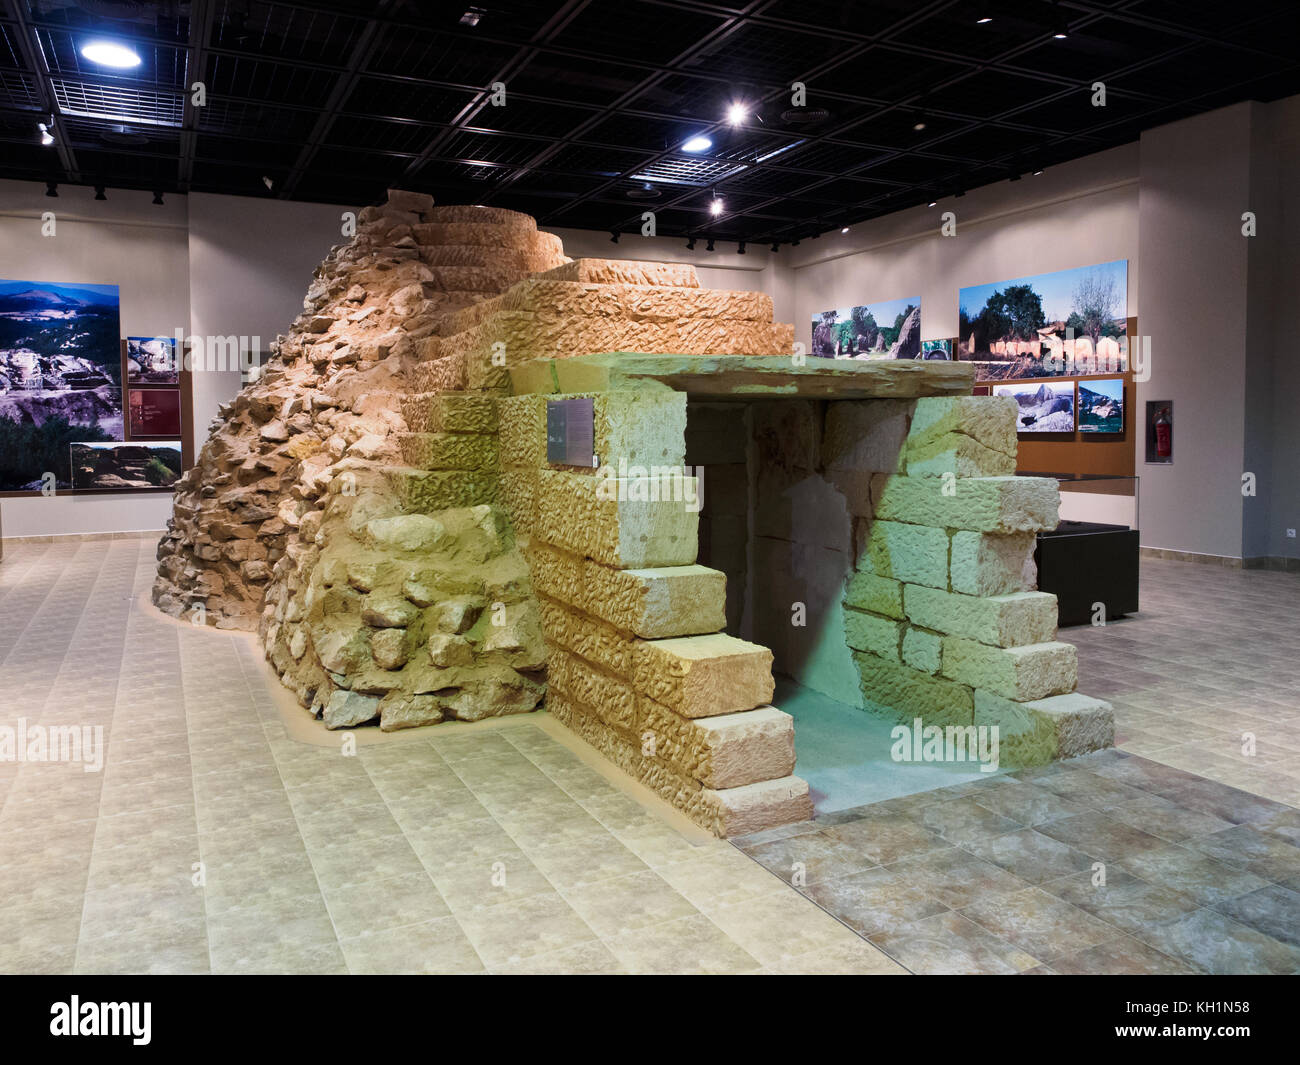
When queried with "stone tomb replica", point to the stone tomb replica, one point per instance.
{"points": [[380, 507]]}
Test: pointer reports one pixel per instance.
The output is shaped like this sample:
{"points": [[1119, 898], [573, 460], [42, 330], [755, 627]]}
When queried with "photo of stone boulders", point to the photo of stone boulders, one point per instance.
{"points": [[888, 330], [60, 377], [103, 467], [152, 361], [1045, 407]]}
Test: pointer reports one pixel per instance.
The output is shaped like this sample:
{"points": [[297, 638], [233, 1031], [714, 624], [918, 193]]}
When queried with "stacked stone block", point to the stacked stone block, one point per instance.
{"points": [[638, 666], [941, 609]]}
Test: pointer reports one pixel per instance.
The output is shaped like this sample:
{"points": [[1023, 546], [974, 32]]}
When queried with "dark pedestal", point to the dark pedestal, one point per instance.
{"points": [[1084, 563]]}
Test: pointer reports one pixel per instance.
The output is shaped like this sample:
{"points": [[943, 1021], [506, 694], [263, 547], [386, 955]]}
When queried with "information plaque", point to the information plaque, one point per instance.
{"points": [[570, 432]]}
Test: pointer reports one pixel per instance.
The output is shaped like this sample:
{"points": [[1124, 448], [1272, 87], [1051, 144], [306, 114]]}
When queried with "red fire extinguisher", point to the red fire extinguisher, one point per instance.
{"points": [[1164, 434]]}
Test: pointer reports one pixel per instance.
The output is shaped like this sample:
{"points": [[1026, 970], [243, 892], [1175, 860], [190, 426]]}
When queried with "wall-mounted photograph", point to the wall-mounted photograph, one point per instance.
{"points": [[1045, 406], [154, 412], [889, 330], [60, 376], [936, 349], [1067, 322], [102, 467], [152, 361], [1101, 405]]}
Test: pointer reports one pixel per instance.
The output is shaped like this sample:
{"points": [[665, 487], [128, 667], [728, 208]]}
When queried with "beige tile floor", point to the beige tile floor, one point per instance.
{"points": [[214, 841]]}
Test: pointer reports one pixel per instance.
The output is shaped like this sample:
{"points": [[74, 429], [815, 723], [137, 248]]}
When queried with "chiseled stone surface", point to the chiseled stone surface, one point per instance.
{"points": [[959, 455], [699, 676], [914, 554], [1036, 731], [979, 504], [651, 603], [904, 693], [992, 564], [1001, 621], [871, 632], [880, 595], [988, 420], [1033, 671]]}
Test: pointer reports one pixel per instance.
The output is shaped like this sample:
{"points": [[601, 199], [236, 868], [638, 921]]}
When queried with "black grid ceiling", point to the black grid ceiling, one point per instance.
{"points": [[335, 101]]}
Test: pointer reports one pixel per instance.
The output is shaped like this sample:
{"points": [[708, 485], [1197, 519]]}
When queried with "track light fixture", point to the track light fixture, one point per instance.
{"points": [[613, 236], [844, 229], [157, 199], [709, 245], [47, 138], [52, 189], [715, 205], [933, 203], [99, 193], [776, 246], [737, 113], [690, 243], [794, 243], [740, 248], [1062, 30]]}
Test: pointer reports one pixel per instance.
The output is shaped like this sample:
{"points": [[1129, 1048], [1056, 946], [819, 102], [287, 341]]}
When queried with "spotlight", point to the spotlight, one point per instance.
{"points": [[690, 243], [794, 243], [845, 229], [709, 245], [472, 16], [776, 246], [613, 236], [99, 193], [47, 138], [157, 199], [933, 203], [919, 125], [270, 185], [715, 205], [737, 113], [52, 189], [1038, 173], [1062, 26], [697, 144], [110, 54], [740, 248], [983, 20]]}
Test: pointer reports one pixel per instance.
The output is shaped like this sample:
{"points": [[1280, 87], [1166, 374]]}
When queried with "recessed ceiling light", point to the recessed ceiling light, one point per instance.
{"points": [[697, 144], [737, 113], [110, 54]]}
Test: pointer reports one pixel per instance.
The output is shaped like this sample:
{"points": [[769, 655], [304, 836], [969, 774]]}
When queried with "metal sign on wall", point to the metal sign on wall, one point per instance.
{"points": [[571, 432]]}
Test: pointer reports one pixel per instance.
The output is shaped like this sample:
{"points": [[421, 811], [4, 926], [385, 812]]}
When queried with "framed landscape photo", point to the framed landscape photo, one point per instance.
{"points": [[1045, 406], [1101, 405], [60, 377], [154, 413], [152, 361], [101, 467]]}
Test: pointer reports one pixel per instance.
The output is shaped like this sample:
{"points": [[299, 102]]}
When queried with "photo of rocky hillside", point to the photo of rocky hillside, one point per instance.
{"points": [[60, 377], [1044, 407], [109, 466], [1101, 405], [152, 361], [888, 330]]}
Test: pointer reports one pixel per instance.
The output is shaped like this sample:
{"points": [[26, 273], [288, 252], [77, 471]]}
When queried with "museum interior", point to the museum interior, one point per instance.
{"points": [[654, 487]]}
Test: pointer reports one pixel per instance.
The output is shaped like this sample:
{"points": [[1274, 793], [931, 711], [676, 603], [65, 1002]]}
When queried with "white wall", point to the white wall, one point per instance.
{"points": [[1073, 215], [250, 262], [126, 241]]}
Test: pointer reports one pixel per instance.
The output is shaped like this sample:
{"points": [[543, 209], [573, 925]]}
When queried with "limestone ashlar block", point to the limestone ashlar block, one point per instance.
{"points": [[992, 564], [923, 649], [609, 697], [989, 420], [651, 603], [645, 427], [866, 435], [609, 520], [446, 373], [427, 491], [448, 451], [637, 302], [593, 639], [962, 456], [701, 676], [914, 554], [880, 595], [518, 493], [725, 812], [1040, 730], [874, 633], [721, 752], [977, 504], [904, 694], [624, 272], [1033, 671], [495, 233], [448, 412], [522, 431], [1014, 620]]}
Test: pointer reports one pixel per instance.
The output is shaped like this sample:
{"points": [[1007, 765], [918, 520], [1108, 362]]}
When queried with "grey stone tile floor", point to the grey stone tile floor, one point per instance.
{"points": [[214, 841]]}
